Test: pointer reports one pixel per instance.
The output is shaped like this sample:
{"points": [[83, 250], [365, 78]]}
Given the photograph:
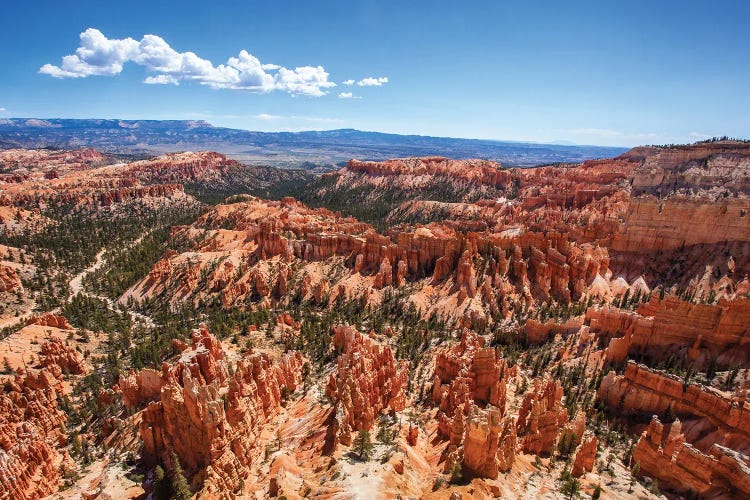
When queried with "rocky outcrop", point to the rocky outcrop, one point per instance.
{"points": [[56, 352], [50, 319], [140, 387], [667, 327], [9, 280], [468, 371], [485, 272], [710, 168], [654, 225], [541, 416], [470, 389], [662, 453], [585, 456], [367, 382], [30, 438], [186, 167], [22, 160], [211, 420], [489, 442], [480, 172], [536, 332], [642, 390]]}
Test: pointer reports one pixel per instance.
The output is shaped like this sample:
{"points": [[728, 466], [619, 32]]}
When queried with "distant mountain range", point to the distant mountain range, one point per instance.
{"points": [[313, 149]]}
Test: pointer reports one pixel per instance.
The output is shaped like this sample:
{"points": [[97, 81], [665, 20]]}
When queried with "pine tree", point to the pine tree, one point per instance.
{"points": [[363, 444], [180, 488], [571, 487]]}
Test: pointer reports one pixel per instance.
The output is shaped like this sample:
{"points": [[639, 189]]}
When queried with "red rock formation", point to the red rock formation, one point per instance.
{"points": [[56, 352], [9, 280], [141, 387], [473, 171], [412, 435], [540, 417], [50, 319], [662, 225], [468, 371], [711, 167], [384, 277], [367, 382], [720, 473], [671, 326], [182, 167], [585, 456], [537, 333], [468, 375], [645, 391], [214, 436], [466, 279], [30, 437], [46, 159], [489, 442], [514, 264]]}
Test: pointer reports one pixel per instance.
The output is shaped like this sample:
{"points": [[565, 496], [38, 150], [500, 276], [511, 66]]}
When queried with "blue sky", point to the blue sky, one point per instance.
{"points": [[599, 72]]}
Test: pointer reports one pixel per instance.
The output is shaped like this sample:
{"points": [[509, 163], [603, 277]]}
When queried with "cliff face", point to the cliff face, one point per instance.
{"points": [[704, 450], [479, 172], [713, 168], [654, 225], [208, 418], [663, 453], [367, 382], [202, 166], [671, 326], [645, 391], [686, 225]]}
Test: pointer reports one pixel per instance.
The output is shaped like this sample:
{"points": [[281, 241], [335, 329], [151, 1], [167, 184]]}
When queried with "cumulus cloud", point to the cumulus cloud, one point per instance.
{"points": [[373, 82], [348, 82], [98, 55], [348, 95], [162, 80]]}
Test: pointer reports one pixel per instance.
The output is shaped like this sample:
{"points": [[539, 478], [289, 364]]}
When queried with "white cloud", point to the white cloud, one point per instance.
{"points": [[348, 82], [161, 80], [267, 117], [312, 119], [373, 82], [348, 95], [99, 56]]}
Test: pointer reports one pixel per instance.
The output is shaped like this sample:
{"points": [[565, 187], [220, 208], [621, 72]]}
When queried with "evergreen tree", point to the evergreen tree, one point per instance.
{"points": [[363, 444], [180, 488]]}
